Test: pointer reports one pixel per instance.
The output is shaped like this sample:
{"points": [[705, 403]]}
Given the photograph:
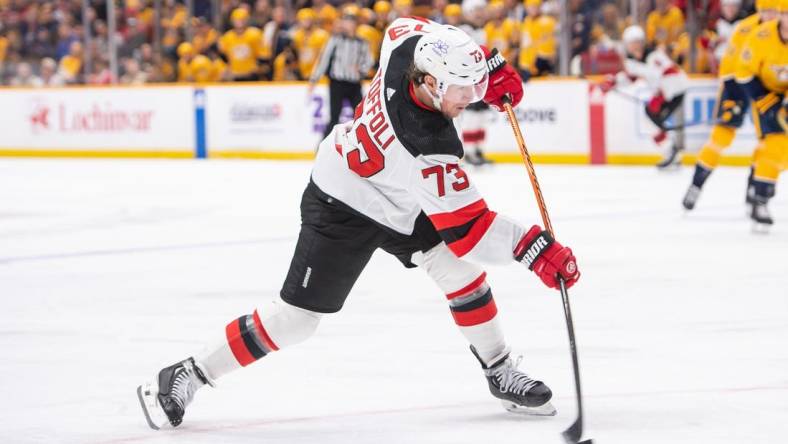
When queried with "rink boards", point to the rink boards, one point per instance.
{"points": [[563, 120]]}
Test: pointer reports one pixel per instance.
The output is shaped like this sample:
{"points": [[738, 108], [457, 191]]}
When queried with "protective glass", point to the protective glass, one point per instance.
{"points": [[466, 93]]}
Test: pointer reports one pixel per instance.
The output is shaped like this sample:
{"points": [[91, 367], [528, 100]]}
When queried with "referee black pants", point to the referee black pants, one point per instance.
{"points": [[339, 90]]}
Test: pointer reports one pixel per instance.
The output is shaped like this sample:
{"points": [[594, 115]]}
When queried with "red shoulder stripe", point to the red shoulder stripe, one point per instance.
{"points": [[478, 230], [459, 217]]}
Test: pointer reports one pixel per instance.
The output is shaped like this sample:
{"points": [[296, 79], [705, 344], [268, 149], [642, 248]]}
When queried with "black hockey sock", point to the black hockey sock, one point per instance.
{"points": [[701, 174], [763, 191]]}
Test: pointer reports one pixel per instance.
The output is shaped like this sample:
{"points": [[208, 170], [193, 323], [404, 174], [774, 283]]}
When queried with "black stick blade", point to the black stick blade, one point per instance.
{"points": [[573, 433]]}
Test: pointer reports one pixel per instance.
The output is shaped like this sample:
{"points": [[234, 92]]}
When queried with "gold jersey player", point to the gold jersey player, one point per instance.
{"points": [[763, 74], [732, 104], [391, 179]]}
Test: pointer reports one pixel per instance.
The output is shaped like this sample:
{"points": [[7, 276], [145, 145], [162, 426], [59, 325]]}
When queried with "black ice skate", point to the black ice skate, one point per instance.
{"points": [[750, 198], [164, 400], [671, 159], [760, 216], [518, 392], [477, 158], [691, 198]]}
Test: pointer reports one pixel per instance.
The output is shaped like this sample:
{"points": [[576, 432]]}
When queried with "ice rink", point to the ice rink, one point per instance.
{"points": [[110, 270]]}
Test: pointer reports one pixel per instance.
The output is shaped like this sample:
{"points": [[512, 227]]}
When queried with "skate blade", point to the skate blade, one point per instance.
{"points": [[546, 409], [149, 402], [760, 228]]}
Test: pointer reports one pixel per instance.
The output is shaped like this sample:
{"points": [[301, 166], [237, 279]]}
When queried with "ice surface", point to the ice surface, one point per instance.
{"points": [[110, 270]]}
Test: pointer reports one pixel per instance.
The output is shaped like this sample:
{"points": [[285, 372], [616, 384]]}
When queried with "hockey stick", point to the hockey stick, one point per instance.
{"points": [[573, 434], [639, 101]]}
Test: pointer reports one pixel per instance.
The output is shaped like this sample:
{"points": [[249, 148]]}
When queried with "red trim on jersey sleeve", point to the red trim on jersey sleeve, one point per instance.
{"points": [[463, 246], [459, 217], [477, 316], [470, 288], [263, 334], [670, 71], [237, 346]]}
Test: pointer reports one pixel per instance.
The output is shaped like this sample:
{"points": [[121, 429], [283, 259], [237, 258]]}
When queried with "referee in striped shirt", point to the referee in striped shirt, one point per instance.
{"points": [[346, 60]]}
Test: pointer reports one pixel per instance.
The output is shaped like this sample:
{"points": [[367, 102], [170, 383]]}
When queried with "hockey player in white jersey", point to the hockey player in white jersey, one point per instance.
{"points": [[391, 179], [666, 82], [476, 118]]}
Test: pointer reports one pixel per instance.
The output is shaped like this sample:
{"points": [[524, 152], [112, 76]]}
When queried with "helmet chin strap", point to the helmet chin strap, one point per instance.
{"points": [[436, 99]]}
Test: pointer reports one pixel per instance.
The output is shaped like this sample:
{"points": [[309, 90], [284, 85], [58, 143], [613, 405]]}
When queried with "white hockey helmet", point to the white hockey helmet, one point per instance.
{"points": [[633, 33], [471, 6], [456, 62]]}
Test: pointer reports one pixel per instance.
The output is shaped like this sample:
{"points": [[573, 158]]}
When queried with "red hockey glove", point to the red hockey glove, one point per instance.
{"points": [[504, 80], [655, 104], [547, 258], [608, 84]]}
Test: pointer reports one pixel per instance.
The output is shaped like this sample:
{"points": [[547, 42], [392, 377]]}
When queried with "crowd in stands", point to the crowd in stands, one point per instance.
{"points": [[42, 43]]}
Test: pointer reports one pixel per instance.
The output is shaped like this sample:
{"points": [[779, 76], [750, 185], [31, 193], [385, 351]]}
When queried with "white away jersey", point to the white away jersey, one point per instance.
{"points": [[398, 158], [658, 70]]}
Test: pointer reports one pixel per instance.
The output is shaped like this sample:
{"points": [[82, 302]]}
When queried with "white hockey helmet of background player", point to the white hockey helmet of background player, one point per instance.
{"points": [[634, 40], [633, 34], [457, 63]]}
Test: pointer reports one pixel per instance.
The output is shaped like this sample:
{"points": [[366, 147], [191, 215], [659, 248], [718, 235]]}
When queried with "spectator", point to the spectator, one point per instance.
{"points": [[136, 36], [731, 14], [101, 74], [169, 42], [25, 77], [403, 8], [515, 10], [500, 31], [383, 13], [71, 65], [4, 43], [147, 59], [49, 75], [537, 42], [436, 15], [66, 37], [704, 56], [261, 13], [286, 65], [275, 39], [241, 47], [133, 75], [326, 14], [186, 54], [200, 68], [607, 33], [453, 14], [664, 24], [204, 37], [308, 40], [205, 70], [581, 27], [372, 35]]}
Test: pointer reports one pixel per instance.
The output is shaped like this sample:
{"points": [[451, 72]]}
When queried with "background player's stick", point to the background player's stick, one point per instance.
{"points": [[640, 101], [573, 434]]}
